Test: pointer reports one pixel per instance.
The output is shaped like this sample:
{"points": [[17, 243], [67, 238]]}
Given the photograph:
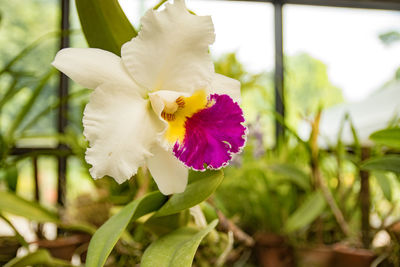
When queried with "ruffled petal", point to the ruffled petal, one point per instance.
{"points": [[169, 173], [171, 50], [212, 135], [90, 67], [121, 129], [223, 85]]}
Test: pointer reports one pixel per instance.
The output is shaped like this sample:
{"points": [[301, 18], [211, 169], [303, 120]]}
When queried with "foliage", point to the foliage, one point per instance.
{"points": [[307, 88], [105, 25], [39, 257], [389, 37], [175, 249]]}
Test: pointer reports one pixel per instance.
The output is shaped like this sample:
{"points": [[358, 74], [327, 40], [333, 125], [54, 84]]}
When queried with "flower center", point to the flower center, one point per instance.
{"points": [[184, 107], [171, 107]]}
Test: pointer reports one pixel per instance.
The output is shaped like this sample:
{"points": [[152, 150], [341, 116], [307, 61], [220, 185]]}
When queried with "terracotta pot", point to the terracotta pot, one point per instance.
{"points": [[315, 257], [273, 251], [353, 257], [64, 247], [395, 230], [9, 246]]}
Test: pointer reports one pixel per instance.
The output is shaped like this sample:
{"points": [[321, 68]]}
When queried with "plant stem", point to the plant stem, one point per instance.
{"points": [[365, 201], [143, 181], [319, 182], [159, 4], [227, 225], [21, 239]]}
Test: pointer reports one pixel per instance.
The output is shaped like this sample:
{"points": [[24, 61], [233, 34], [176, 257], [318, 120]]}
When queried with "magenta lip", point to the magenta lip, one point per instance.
{"points": [[212, 135]]}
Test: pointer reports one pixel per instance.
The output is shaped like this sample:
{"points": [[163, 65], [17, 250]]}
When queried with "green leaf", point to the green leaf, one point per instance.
{"points": [[390, 37], [201, 186], [293, 174], [209, 211], [104, 24], [164, 225], [384, 183], [29, 104], [108, 234], [11, 176], [389, 163], [26, 51], [37, 258], [176, 249], [16, 205], [387, 137], [306, 213]]}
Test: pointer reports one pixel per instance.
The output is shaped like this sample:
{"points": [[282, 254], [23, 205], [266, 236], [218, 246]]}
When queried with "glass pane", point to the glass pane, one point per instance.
{"points": [[336, 55], [29, 25]]}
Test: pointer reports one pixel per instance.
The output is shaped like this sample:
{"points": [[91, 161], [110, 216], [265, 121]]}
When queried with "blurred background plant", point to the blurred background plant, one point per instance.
{"points": [[281, 203]]}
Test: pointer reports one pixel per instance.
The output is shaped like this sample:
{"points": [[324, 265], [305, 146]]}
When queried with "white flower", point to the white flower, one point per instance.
{"points": [[136, 95]]}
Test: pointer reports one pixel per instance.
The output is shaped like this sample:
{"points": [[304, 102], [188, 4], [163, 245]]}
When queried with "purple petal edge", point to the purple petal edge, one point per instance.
{"points": [[212, 135]]}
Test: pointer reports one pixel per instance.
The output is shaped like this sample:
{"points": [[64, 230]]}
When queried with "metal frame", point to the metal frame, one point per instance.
{"points": [[369, 4], [63, 108]]}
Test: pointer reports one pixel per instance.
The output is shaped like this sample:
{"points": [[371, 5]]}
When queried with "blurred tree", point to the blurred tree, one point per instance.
{"points": [[390, 37], [307, 88], [22, 23]]}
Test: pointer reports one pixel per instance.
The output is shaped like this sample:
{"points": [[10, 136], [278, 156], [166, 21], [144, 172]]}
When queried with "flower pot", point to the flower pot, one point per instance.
{"points": [[64, 247], [273, 251], [315, 257], [395, 230], [353, 257], [9, 246]]}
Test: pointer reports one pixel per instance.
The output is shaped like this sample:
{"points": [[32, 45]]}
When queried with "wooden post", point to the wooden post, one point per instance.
{"points": [[365, 201]]}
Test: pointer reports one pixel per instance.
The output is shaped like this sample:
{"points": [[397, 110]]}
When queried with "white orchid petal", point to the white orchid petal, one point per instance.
{"points": [[121, 129], [168, 172], [171, 50], [224, 85], [90, 67]]}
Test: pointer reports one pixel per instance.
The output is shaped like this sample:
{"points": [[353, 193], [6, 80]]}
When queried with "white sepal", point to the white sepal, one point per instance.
{"points": [[121, 129], [169, 173], [171, 50], [90, 67]]}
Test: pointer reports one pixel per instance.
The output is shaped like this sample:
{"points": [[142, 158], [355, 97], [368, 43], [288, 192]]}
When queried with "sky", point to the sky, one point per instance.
{"points": [[345, 39]]}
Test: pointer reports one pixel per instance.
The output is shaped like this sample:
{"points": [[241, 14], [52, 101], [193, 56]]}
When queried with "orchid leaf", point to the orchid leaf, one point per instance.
{"points": [[31, 210], [29, 104], [387, 137], [293, 174], [201, 186], [389, 163], [165, 224], [104, 24], [11, 177], [384, 182], [39, 257], [175, 249], [16, 205], [306, 213], [108, 234]]}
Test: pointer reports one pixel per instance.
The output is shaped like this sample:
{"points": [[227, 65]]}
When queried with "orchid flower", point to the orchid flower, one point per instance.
{"points": [[160, 104]]}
